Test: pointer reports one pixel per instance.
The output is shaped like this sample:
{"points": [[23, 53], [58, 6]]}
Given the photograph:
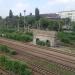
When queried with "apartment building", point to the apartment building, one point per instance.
{"points": [[67, 14]]}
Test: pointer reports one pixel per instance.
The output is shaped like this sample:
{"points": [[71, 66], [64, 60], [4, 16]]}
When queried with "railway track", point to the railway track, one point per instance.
{"points": [[5, 72], [64, 61], [49, 49], [35, 67], [49, 54], [43, 67]]}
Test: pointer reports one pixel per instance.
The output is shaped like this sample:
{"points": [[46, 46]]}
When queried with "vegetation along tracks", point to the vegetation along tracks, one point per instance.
{"points": [[24, 48], [47, 48], [52, 61]]}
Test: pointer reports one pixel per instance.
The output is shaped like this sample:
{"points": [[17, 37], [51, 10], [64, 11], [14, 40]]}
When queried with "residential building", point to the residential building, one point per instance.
{"points": [[67, 14]]}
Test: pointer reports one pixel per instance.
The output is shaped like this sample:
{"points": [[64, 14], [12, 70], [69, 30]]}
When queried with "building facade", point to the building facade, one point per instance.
{"points": [[52, 16], [67, 14]]}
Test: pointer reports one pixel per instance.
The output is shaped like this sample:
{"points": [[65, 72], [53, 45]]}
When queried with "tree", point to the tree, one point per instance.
{"points": [[20, 15], [30, 20], [61, 24], [1, 22], [73, 26], [30, 14], [37, 16], [0, 17], [10, 14], [21, 20], [44, 23], [67, 21]]}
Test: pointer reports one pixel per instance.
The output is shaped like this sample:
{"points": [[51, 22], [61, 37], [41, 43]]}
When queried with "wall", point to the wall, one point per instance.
{"points": [[44, 36]]}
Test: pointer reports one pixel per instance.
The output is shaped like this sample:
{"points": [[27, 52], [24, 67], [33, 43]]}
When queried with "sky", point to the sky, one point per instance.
{"points": [[45, 6]]}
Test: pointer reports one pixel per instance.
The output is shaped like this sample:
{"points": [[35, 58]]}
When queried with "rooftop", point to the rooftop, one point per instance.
{"points": [[51, 15]]}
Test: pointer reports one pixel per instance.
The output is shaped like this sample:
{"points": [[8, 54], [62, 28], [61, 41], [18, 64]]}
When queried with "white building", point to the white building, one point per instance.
{"points": [[68, 14]]}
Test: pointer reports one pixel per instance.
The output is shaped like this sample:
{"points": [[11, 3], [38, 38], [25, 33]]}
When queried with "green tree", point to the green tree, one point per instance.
{"points": [[30, 20], [0, 17], [10, 14], [20, 15], [73, 26], [44, 23], [21, 20], [37, 16], [30, 14]]}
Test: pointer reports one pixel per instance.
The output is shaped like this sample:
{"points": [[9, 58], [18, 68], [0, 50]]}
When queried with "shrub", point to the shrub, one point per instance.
{"points": [[48, 43], [16, 67], [13, 52], [29, 33], [42, 43], [37, 40], [4, 48], [65, 40], [20, 37], [66, 37]]}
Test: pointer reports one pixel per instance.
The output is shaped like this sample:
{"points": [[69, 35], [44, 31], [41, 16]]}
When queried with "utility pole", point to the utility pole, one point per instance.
{"points": [[59, 27], [24, 21], [39, 24], [18, 25]]}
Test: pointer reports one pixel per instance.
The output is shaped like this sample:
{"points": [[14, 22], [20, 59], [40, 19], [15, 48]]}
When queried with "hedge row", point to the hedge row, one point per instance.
{"points": [[16, 67], [25, 37]]}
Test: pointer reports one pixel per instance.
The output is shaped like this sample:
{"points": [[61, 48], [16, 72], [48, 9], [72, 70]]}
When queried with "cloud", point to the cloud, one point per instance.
{"points": [[61, 5], [45, 6], [52, 2], [20, 7]]}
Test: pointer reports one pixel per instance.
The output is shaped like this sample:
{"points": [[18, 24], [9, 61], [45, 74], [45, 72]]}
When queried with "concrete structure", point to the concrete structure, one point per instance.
{"points": [[53, 16], [67, 14], [44, 36]]}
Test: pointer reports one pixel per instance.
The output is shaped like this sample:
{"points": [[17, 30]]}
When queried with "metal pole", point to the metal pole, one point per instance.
{"points": [[39, 24], [18, 25], [24, 21]]}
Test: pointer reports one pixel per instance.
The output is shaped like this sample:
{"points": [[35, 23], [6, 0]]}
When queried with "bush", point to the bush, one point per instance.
{"points": [[65, 40], [42, 43], [20, 37], [37, 40], [4, 48], [66, 37], [7, 30], [13, 52], [48, 43], [29, 33]]}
